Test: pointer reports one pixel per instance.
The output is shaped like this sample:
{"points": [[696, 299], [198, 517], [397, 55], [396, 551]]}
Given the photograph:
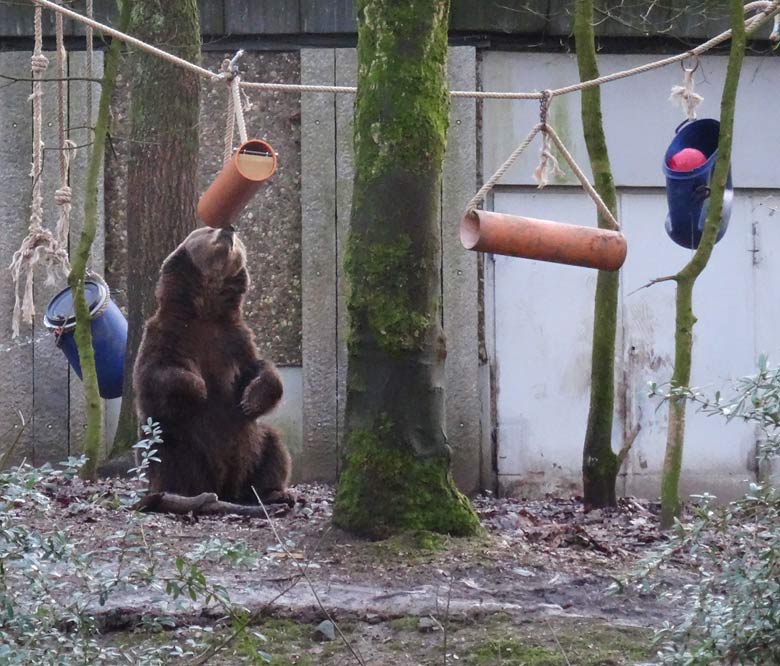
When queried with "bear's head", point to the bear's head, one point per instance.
{"points": [[205, 277]]}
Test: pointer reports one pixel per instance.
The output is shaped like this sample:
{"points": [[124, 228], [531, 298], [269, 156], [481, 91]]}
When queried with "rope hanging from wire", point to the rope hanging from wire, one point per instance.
{"points": [[766, 8], [548, 165], [684, 95], [40, 245], [62, 196], [235, 108]]}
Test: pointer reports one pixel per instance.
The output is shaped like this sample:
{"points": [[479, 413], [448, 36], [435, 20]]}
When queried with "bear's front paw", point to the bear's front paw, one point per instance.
{"points": [[179, 384], [262, 394]]}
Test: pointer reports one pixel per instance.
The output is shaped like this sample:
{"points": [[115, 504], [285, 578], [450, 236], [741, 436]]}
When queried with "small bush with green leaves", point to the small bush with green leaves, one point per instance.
{"points": [[51, 585], [733, 615]]}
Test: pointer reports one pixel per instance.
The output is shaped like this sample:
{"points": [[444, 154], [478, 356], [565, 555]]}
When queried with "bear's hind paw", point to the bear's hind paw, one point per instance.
{"points": [[279, 497]]}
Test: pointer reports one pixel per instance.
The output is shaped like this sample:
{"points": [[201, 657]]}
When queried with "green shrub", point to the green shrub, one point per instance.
{"points": [[51, 585], [733, 608]]}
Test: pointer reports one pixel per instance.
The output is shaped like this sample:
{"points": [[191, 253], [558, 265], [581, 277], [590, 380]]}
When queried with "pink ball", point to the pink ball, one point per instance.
{"points": [[687, 159]]}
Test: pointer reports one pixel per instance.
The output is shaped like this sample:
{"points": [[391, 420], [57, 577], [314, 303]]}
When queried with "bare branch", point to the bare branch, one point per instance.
{"points": [[666, 278], [203, 505], [626, 448]]}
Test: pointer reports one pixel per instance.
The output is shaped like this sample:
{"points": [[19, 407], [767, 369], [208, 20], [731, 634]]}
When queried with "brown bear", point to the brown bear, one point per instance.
{"points": [[198, 374]]}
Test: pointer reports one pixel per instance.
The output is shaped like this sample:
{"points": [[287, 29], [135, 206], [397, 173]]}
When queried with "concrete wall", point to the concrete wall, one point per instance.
{"points": [[295, 230], [518, 332], [327, 173], [543, 312], [36, 384]]}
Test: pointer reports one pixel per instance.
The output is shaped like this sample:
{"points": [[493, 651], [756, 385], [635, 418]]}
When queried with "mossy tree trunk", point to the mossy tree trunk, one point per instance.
{"points": [[600, 464], [93, 437], [397, 468], [163, 166], [686, 278]]}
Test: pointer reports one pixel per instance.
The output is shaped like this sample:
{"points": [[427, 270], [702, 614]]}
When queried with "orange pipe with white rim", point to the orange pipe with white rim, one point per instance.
{"points": [[251, 165], [527, 237]]}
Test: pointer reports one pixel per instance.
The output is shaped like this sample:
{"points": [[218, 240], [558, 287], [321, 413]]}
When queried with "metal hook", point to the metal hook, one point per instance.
{"points": [[691, 70]]}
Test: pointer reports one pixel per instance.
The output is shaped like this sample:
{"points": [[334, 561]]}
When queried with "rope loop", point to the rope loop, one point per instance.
{"points": [[695, 58]]}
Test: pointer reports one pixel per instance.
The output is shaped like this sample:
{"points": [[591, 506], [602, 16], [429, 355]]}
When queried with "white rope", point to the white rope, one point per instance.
{"points": [[39, 245], [62, 197], [684, 95], [548, 164], [230, 117], [235, 92], [133, 41], [766, 9], [775, 36], [479, 197], [235, 108], [606, 213]]}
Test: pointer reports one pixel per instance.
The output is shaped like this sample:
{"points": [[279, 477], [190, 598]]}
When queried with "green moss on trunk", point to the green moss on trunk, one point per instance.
{"points": [[387, 490], [396, 474], [93, 437], [686, 278], [599, 462]]}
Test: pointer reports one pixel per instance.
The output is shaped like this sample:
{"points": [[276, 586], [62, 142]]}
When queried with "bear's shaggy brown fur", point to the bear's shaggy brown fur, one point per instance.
{"points": [[199, 375]]}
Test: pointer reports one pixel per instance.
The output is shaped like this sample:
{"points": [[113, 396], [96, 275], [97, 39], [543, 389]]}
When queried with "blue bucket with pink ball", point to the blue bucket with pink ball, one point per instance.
{"points": [[109, 333], [688, 165]]}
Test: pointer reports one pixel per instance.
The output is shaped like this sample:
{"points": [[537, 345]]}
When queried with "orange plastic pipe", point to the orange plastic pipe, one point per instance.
{"points": [[252, 164], [515, 236]]}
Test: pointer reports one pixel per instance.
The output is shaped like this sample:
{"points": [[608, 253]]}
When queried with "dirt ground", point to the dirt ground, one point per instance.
{"points": [[533, 590]]}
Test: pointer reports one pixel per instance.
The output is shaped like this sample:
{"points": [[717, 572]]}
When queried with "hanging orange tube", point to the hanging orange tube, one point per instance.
{"points": [[515, 236], [252, 164]]}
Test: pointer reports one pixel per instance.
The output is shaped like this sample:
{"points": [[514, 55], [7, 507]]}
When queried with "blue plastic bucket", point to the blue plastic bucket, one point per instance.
{"points": [[687, 192], [109, 333]]}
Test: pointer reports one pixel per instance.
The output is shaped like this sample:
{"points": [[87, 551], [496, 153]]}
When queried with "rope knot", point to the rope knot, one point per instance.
{"points": [[544, 107], [229, 69], [548, 167], [62, 196], [39, 63], [684, 95], [226, 71]]}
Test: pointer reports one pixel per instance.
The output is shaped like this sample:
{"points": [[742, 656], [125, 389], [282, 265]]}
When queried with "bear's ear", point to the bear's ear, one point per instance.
{"points": [[179, 263]]}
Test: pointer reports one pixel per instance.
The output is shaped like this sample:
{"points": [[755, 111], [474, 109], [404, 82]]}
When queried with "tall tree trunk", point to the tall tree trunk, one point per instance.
{"points": [[600, 464], [686, 278], [93, 437], [162, 169], [397, 471]]}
